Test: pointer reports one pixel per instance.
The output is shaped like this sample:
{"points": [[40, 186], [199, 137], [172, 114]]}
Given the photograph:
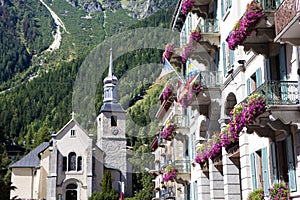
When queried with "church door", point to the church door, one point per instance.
{"points": [[71, 195]]}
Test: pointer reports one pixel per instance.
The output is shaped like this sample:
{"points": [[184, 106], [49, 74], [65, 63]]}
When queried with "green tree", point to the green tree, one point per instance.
{"points": [[107, 193]]}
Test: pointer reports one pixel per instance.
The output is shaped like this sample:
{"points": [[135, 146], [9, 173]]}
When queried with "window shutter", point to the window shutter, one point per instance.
{"points": [[290, 162], [274, 162], [268, 69], [282, 62], [222, 8], [258, 77], [231, 57], [265, 169], [195, 191], [248, 86], [253, 171], [229, 4], [224, 59]]}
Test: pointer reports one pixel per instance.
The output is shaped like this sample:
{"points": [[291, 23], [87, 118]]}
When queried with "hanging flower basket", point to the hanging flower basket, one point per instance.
{"points": [[168, 92], [244, 26], [195, 35], [168, 131], [169, 173], [168, 53], [187, 6]]}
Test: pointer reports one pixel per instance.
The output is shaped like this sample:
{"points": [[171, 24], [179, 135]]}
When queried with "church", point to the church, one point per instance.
{"points": [[71, 165]]}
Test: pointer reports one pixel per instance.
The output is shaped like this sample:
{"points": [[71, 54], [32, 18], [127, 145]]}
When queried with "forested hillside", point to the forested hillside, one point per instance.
{"points": [[36, 85]]}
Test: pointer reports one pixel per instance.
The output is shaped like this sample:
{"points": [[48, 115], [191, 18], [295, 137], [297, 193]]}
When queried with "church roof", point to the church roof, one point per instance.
{"points": [[31, 160], [112, 107]]}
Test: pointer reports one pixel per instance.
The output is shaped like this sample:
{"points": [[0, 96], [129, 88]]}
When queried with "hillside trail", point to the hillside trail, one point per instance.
{"points": [[57, 36]]}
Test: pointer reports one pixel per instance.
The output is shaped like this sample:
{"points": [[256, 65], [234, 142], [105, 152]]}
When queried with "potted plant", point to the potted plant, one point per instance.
{"points": [[257, 194], [280, 191]]}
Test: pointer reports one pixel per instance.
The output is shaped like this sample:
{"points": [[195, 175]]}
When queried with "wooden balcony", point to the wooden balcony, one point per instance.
{"points": [[287, 26]]}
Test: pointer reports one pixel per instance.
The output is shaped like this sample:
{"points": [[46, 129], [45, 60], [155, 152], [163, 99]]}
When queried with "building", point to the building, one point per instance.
{"points": [[71, 165], [235, 116]]}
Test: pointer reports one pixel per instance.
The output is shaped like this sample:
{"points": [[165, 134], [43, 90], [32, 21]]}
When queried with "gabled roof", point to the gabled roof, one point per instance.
{"points": [[31, 160], [70, 123]]}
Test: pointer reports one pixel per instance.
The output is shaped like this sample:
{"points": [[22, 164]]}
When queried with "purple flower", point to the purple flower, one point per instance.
{"points": [[167, 92], [187, 6]]}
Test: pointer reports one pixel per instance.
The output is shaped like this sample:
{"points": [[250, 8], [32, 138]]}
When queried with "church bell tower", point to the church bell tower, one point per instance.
{"points": [[111, 132]]}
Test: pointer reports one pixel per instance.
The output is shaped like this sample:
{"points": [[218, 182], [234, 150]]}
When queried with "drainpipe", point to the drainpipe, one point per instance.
{"points": [[298, 72]]}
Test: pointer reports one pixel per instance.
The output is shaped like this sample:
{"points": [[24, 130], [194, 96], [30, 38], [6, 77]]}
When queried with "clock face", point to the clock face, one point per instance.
{"points": [[115, 131]]}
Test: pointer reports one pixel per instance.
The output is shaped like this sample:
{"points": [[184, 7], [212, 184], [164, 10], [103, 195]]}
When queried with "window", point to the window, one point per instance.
{"points": [[79, 163], [72, 161], [259, 169], [225, 5], [254, 81], [72, 133], [65, 163], [113, 120], [283, 162]]}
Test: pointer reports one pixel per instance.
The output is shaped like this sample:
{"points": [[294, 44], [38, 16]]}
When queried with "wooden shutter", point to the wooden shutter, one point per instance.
{"points": [[290, 162], [282, 62], [222, 8], [265, 170], [253, 171], [248, 86], [274, 162], [268, 69], [229, 3], [258, 77], [231, 58], [224, 59]]}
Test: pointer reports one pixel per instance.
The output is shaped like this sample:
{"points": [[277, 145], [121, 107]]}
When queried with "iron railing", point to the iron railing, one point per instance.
{"points": [[209, 26], [181, 121], [183, 166], [210, 78], [279, 92], [270, 5]]}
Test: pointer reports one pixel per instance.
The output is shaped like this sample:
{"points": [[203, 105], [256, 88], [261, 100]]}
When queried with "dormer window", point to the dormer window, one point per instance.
{"points": [[114, 120], [72, 133]]}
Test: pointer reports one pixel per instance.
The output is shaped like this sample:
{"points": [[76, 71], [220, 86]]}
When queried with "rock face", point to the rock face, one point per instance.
{"points": [[137, 8]]}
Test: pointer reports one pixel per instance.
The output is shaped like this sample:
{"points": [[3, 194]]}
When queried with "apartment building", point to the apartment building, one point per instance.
{"points": [[230, 125]]}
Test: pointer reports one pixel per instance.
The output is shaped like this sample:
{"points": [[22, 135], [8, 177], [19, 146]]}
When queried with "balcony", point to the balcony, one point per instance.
{"points": [[209, 33], [182, 124], [161, 142], [211, 88], [184, 171], [263, 31], [287, 22], [282, 108], [201, 7]]}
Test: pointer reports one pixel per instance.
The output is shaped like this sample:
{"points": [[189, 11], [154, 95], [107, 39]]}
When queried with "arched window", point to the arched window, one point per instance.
{"points": [[79, 163], [71, 186], [72, 161]]}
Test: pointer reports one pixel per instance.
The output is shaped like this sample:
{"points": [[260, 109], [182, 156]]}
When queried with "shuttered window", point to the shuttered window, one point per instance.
{"points": [[265, 170], [274, 162], [248, 86], [253, 171], [224, 59], [290, 163], [258, 77]]}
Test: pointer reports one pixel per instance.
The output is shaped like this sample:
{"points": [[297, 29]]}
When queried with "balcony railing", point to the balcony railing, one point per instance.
{"points": [[209, 26], [210, 78], [285, 13], [280, 92], [183, 166], [270, 5], [181, 121]]}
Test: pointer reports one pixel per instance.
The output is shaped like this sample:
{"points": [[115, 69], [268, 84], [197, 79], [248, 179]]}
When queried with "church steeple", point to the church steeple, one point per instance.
{"points": [[111, 90]]}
